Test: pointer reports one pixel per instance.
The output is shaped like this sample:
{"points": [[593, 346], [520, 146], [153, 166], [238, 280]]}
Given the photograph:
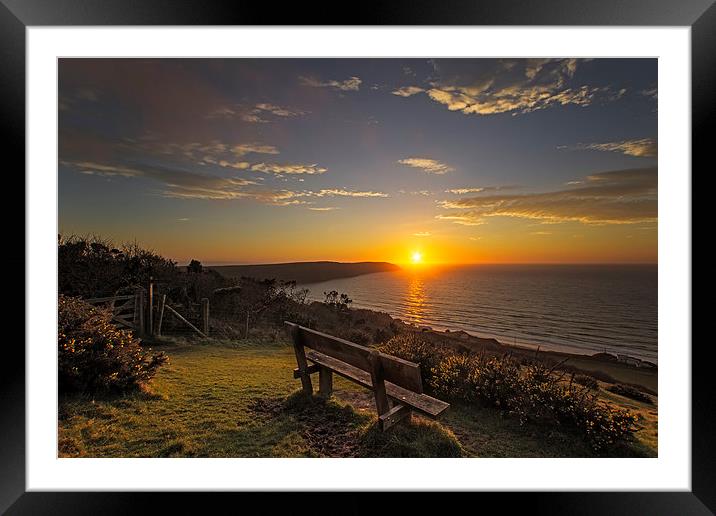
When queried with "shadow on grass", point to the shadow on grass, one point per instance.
{"points": [[303, 425]]}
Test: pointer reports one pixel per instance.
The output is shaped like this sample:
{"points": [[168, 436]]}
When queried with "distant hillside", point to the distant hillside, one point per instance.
{"points": [[304, 272]]}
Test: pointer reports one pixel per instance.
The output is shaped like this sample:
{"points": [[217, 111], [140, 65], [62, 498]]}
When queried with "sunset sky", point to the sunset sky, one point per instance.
{"points": [[275, 160]]}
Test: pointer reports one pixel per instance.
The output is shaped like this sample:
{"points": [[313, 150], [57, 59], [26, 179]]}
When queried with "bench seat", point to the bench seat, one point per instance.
{"points": [[422, 403]]}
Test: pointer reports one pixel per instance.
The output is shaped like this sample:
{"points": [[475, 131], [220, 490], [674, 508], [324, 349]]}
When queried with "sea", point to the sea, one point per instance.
{"points": [[584, 309]]}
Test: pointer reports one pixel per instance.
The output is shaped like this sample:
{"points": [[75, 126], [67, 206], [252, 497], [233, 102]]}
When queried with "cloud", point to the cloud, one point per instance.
{"points": [[461, 191], [464, 220], [252, 148], [239, 165], [643, 147], [228, 156], [652, 93], [255, 113], [184, 219], [323, 208], [422, 234], [338, 192], [177, 183], [509, 86], [407, 91], [541, 233], [212, 152], [615, 197], [182, 184], [431, 166], [279, 111], [350, 84], [285, 168]]}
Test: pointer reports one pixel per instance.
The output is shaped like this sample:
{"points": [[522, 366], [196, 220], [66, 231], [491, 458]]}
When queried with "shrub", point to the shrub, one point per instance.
{"points": [[545, 396], [95, 356], [411, 347], [532, 391], [630, 392], [587, 381], [380, 335], [359, 337]]}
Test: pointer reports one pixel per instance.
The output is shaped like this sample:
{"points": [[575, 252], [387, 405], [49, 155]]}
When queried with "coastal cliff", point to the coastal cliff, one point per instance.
{"points": [[304, 272]]}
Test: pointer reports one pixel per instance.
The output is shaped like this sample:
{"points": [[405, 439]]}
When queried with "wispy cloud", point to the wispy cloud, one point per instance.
{"points": [[407, 91], [643, 147], [339, 192], [350, 84], [615, 197], [211, 152], [652, 93], [287, 168], [182, 184], [227, 156], [430, 166], [479, 189], [258, 113], [460, 191], [464, 220], [323, 208], [422, 234], [511, 86], [177, 183]]}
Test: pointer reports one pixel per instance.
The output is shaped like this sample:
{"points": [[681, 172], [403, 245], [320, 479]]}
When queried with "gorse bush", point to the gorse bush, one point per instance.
{"points": [[411, 346], [95, 356], [532, 392]]}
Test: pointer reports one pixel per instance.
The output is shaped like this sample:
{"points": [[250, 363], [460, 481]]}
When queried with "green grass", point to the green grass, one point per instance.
{"points": [[240, 400]]}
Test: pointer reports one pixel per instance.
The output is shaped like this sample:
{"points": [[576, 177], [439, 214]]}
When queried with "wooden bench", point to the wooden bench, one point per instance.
{"points": [[396, 383]]}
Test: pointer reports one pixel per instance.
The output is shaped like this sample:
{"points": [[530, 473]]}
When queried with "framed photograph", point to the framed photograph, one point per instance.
{"points": [[444, 248]]}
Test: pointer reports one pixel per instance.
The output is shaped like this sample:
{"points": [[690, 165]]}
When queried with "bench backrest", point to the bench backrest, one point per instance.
{"points": [[395, 370]]}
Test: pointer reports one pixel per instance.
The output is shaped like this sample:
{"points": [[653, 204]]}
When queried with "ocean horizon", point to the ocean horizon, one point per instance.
{"points": [[583, 309]]}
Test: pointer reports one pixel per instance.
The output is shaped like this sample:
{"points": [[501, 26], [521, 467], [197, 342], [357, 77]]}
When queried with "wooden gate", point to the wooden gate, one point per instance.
{"points": [[127, 311], [137, 312]]}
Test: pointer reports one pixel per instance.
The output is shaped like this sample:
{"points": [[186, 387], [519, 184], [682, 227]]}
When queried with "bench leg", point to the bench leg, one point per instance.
{"points": [[300, 352], [395, 414], [376, 376], [325, 382]]}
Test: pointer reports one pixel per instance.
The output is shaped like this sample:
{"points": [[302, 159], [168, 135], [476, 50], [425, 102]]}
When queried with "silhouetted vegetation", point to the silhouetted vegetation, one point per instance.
{"points": [[338, 301], [95, 356], [95, 267], [195, 267]]}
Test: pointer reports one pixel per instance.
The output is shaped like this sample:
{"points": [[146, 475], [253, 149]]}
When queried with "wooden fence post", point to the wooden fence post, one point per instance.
{"points": [[160, 315], [150, 312], [205, 315], [140, 310]]}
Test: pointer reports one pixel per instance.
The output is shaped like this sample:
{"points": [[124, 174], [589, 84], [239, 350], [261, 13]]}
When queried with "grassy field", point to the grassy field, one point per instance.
{"points": [[240, 400]]}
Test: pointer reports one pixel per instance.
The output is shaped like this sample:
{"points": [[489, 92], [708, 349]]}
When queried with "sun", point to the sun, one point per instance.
{"points": [[416, 257]]}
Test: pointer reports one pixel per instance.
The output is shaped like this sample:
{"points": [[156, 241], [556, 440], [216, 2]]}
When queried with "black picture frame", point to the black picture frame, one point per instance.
{"points": [[17, 15]]}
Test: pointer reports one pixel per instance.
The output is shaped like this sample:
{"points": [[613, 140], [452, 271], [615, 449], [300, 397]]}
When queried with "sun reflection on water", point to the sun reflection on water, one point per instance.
{"points": [[415, 302]]}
